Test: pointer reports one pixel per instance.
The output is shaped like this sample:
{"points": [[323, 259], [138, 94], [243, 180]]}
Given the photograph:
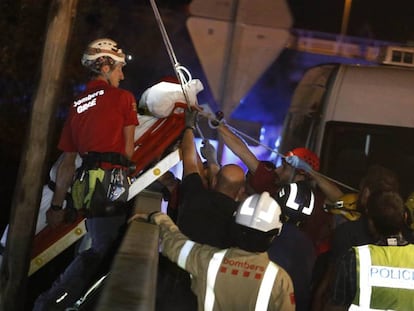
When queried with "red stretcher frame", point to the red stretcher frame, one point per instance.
{"points": [[149, 149]]}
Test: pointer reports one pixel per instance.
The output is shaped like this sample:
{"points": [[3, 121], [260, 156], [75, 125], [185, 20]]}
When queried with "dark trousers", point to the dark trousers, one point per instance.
{"points": [[85, 268], [174, 288]]}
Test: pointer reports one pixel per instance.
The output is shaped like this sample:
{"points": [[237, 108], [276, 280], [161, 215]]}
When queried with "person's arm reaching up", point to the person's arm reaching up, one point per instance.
{"points": [[188, 149], [329, 189], [238, 147]]}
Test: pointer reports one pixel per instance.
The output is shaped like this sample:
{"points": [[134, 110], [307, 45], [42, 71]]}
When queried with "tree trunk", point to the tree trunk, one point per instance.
{"points": [[25, 206]]}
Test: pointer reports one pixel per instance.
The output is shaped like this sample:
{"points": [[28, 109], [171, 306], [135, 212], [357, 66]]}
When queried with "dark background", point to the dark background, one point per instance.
{"points": [[23, 26]]}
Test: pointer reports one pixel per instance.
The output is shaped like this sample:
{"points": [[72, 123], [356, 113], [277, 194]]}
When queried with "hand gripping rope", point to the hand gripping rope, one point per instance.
{"points": [[219, 119], [184, 76]]}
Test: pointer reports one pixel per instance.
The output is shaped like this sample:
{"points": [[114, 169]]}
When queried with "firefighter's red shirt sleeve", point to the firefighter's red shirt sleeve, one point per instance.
{"points": [[265, 178]]}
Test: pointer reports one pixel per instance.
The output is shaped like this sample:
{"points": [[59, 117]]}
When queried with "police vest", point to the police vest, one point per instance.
{"points": [[385, 278]]}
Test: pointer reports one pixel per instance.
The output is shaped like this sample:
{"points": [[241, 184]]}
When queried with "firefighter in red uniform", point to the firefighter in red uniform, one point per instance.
{"points": [[100, 127]]}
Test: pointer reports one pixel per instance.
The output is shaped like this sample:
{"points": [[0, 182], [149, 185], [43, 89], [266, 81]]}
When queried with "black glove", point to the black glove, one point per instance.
{"points": [[191, 118], [217, 121]]}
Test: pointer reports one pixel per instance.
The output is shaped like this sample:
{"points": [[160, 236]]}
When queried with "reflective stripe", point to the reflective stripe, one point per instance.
{"points": [[370, 275], [391, 277], [291, 203], [358, 308], [266, 286], [213, 268], [185, 251], [365, 288]]}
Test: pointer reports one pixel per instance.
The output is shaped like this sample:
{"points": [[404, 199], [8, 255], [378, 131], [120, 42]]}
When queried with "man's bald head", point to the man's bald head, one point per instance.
{"points": [[230, 180]]}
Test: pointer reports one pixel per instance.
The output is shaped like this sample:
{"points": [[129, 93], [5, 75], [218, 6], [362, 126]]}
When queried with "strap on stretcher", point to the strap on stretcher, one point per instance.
{"points": [[150, 147]]}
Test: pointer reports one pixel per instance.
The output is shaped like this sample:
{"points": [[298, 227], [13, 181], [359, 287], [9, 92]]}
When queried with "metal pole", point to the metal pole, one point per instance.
{"points": [[345, 17]]}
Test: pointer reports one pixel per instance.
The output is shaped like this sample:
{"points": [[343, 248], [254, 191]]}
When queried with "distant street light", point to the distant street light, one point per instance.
{"points": [[345, 17]]}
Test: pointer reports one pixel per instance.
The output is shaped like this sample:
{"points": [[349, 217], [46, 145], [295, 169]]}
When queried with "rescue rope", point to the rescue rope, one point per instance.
{"points": [[337, 182], [210, 117], [200, 132], [184, 76], [283, 156], [182, 73]]}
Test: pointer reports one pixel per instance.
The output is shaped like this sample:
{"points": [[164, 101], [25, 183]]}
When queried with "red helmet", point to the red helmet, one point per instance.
{"points": [[306, 155]]}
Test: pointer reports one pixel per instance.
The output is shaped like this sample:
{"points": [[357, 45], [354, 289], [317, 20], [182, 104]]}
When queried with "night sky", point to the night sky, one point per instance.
{"points": [[376, 19]]}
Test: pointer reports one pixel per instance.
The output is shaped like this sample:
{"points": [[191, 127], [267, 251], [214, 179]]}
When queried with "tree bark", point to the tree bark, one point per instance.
{"points": [[26, 200]]}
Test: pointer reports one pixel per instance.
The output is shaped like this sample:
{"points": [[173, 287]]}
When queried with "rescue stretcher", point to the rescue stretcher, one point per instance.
{"points": [[153, 158], [156, 151]]}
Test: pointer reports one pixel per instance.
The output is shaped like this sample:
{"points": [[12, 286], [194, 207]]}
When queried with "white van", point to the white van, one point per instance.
{"points": [[354, 116]]}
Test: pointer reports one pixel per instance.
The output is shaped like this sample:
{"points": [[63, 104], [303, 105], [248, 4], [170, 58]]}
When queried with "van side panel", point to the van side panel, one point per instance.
{"points": [[353, 117], [372, 95]]}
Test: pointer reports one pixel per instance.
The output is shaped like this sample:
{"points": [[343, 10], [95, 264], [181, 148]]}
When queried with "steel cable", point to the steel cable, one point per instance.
{"points": [[184, 77]]}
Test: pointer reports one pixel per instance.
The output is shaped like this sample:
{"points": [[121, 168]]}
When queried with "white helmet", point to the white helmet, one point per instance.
{"points": [[102, 52], [260, 212]]}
